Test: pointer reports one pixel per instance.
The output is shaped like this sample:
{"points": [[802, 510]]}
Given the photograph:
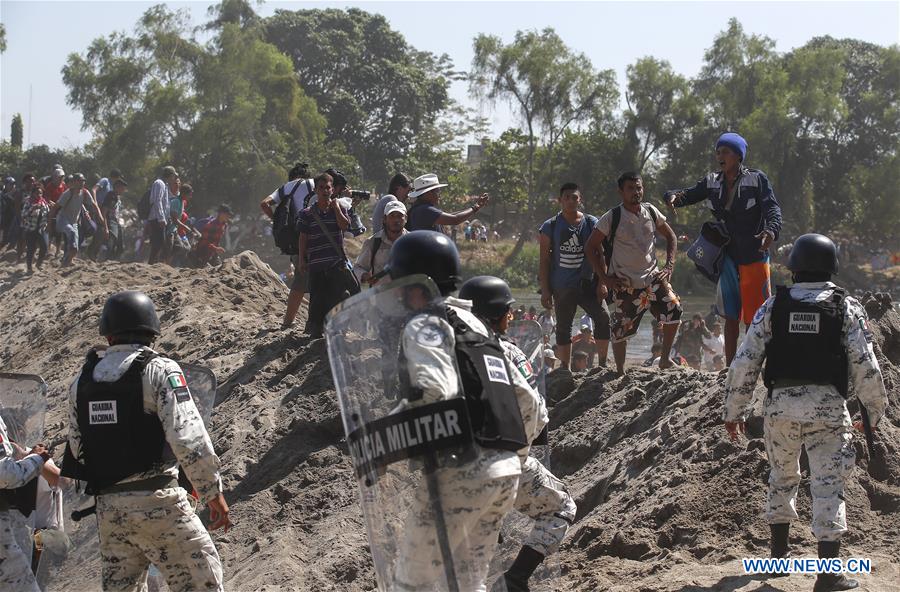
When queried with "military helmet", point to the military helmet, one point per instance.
{"points": [[429, 253], [490, 296], [813, 253], [129, 312]]}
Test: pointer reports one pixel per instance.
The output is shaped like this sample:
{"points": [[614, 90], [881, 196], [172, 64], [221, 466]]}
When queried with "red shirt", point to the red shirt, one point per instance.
{"points": [[52, 192], [210, 235]]}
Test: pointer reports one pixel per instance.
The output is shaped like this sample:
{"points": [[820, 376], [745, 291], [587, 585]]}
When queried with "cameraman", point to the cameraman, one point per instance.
{"points": [[348, 199]]}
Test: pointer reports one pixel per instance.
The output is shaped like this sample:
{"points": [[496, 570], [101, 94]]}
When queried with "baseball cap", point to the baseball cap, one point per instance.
{"points": [[394, 206]]}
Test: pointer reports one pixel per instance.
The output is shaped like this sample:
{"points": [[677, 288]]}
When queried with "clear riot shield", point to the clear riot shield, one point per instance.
{"points": [[530, 339], [408, 433], [83, 547], [23, 405], [528, 336]]}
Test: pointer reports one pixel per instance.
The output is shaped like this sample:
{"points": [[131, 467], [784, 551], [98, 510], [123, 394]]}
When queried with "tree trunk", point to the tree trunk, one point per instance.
{"points": [[517, 248]]}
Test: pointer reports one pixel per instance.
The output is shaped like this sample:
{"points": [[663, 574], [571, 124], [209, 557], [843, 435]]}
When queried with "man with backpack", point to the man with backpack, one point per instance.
{"points": [[622, 251], [565, 274], [373, 257], [322, 255], [282, 207], [154, 209]]}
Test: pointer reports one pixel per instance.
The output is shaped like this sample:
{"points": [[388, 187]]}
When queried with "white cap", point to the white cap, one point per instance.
{"points": [[394, 206], [548, 353]]}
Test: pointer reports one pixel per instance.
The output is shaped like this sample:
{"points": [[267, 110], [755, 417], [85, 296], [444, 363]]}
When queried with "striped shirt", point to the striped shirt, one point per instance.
{"points": [[318, 248]]}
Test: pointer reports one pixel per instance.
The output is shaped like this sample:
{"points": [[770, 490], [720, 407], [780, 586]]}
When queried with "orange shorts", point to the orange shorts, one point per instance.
{"points": [[742, 289]]}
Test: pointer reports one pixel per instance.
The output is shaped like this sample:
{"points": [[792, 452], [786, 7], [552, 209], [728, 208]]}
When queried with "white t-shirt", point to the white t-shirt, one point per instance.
{"points": [[717, 344], [299, 196], [634, 250]]}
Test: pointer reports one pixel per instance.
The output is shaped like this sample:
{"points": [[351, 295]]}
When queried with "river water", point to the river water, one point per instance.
{"points": [[639, 345]]}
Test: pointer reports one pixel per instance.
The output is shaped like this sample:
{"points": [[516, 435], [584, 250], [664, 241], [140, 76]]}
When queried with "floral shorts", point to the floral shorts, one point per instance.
{"points": [[631, 304]]}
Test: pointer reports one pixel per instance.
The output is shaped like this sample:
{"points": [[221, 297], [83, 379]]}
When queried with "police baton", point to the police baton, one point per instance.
{"points": [[77, 515]]}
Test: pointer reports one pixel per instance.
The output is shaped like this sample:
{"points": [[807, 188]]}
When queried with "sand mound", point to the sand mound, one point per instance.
{"points": [[665, 501]]}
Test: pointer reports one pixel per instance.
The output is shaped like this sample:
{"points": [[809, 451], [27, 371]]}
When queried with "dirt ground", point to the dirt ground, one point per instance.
{"points": [[665, 502]]}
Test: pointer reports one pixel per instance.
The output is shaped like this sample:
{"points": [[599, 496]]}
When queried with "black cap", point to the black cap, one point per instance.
{"points": [[226, 209], [429, 253], [129, 312], [813, 253]]}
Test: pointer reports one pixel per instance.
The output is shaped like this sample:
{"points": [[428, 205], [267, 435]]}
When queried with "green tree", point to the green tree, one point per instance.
{"points": [[2, 38], [229, 113], [552, 89], [15, 131], [660, 107], [377, 93]]}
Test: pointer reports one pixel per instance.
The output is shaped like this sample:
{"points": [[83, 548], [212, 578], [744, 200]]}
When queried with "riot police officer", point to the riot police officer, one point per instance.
{"points": [[541, 496], [506, 416], [132, 422], [815, 340], [15, 567]]}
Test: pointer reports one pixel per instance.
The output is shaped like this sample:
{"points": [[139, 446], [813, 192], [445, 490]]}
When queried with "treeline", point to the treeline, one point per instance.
{"points": [[234, 102]]}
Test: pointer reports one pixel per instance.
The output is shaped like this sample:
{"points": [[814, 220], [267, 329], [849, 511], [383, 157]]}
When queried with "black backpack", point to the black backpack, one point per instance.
{"points": [[143, 206], [284, 220]]}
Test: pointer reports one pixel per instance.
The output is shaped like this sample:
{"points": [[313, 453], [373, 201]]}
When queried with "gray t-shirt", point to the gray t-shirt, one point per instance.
{"points": [[378, 212], [70, 206], [634, 250]]}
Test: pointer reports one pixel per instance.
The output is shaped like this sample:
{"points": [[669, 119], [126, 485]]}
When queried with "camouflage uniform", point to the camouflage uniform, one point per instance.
{"points": [[814, 415], [15, 565], [140, 527], [541, 496], [475, 496]]}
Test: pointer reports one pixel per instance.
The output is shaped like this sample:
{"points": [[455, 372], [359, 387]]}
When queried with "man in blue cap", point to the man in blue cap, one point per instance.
{"points": [[743, 199]]}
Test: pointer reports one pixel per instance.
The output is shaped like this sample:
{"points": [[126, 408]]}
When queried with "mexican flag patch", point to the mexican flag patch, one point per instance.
{"points": [[177, 381]]}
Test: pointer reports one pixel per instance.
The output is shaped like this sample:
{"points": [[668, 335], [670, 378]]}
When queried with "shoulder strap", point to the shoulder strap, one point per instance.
{"points": [[553, 237], [652, 211], [376, 244], [614, 223], [309, 193], [334, 244], [144, 358]]}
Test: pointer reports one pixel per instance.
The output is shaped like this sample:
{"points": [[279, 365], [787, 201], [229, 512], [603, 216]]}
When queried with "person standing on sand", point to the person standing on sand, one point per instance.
{"points": [[565, 274], [132, 423], [541, 496], [743, 198], [637, 284], [815, 341], [476, 494]]}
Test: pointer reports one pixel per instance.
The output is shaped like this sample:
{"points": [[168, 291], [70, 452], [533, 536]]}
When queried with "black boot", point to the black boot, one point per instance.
{"points": [[827, 582], [779, 547], [516, 577]]}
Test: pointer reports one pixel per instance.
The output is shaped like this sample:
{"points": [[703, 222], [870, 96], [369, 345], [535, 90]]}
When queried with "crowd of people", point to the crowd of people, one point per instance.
{"points": [[454, 357], [63, 216]]}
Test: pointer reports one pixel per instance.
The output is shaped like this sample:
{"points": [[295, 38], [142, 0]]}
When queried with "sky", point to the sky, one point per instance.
{"points": [[40, 36]]}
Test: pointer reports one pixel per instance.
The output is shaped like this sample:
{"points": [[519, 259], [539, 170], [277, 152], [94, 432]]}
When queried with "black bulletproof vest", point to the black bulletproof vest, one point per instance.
{"points": [[487, 382], [807, 344], [118, 439], [23, 499]]}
